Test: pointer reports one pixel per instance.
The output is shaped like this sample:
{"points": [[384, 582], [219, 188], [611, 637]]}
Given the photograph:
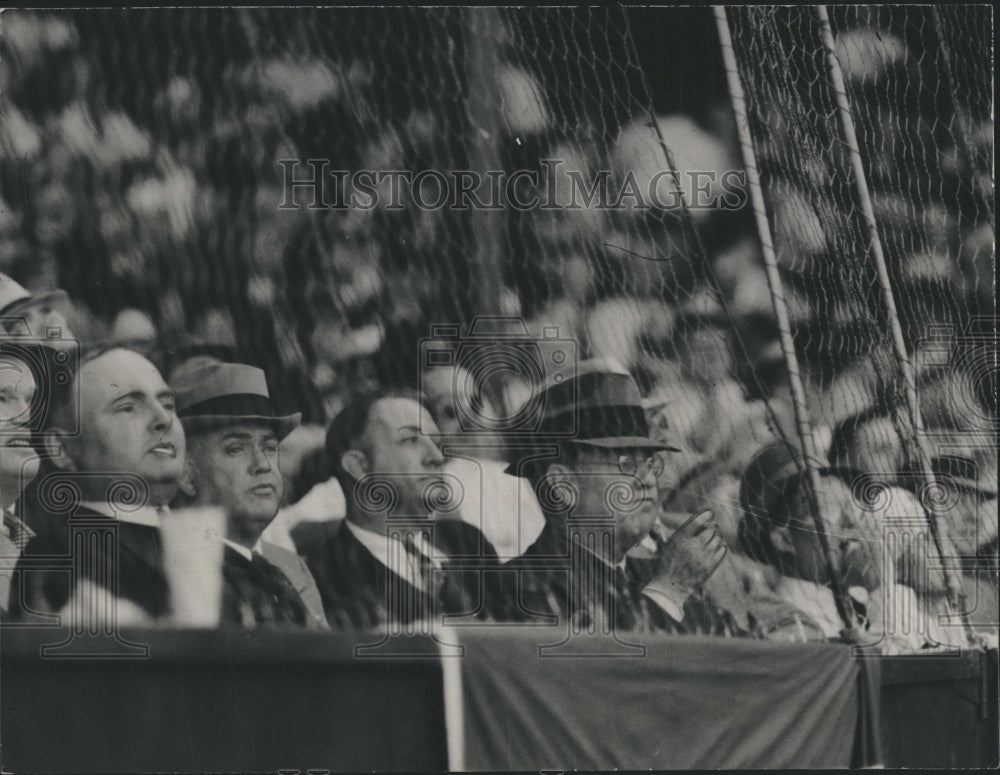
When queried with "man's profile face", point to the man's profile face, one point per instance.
{"points": [[237, 468], [128, 420], [399, 454], [604, 490], [18, 460]]}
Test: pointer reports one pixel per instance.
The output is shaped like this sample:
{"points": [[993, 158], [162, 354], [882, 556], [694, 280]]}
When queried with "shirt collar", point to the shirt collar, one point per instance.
{"points": [[384, 548], [145, 515], [247, 553]]}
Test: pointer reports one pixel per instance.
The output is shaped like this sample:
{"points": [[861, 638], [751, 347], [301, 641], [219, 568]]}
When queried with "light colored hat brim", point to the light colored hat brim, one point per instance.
{"points": [[56, 296], [209, 422]]}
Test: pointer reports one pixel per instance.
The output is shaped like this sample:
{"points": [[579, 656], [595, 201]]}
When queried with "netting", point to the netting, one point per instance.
{"points": [[917, 104], [156, 160]]}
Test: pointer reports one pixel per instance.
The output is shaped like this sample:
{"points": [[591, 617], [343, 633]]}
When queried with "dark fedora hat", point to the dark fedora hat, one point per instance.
{"points": [[598, 406], [221, 394]]}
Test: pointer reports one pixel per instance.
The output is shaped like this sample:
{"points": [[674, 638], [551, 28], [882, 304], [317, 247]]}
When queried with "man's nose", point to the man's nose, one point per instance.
{"points": [[163, 418], [262, 461], [433, 457]]}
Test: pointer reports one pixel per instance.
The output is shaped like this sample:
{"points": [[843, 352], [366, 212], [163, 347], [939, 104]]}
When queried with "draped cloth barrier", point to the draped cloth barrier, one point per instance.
{"points": [[218, 701], [688, 703]]}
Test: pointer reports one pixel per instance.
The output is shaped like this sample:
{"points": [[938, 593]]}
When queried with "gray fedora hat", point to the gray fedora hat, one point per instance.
{"points": [[598, 406], [221, 394]]}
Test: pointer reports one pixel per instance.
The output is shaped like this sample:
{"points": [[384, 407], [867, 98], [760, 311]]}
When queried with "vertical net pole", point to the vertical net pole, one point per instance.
{"points": [[913, 434], [482, 61], [802, 419]]}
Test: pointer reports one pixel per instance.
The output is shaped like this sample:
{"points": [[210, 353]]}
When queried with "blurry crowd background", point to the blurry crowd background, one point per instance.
{"points": [[138, 170]]}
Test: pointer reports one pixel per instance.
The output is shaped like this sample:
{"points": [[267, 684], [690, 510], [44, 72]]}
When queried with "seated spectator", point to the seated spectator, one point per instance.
{"points": [[18, 460], [27, 314], [969, 515], [128, 428], [232, 461], [777, 529], [608, 474], [391, 560]]}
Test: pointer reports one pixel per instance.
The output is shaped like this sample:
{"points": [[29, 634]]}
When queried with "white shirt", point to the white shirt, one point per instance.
{"points": [[248, 553], [390, 551], [504, 507]]}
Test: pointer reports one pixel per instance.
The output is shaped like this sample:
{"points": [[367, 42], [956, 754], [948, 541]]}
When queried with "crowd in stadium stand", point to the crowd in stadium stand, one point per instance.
{"points": [[582, 528], [172, 197]]}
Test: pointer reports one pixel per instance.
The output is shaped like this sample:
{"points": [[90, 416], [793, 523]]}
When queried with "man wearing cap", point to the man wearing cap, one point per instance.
{"points": [[24, 313], [596, 478], [114, 436], [778, 529], [395, 558], [233, 437]]}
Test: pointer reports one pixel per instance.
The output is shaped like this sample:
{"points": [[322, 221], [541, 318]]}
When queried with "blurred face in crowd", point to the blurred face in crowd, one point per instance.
{"points": [[402, 457], [616, 484], [853, 535], [451, 393], [18, 461], [128, 423], [237, 468]]}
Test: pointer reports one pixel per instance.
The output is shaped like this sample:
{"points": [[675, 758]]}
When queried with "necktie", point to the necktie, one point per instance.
{"points": [[279, 601], [430, 581], [15, 530]]}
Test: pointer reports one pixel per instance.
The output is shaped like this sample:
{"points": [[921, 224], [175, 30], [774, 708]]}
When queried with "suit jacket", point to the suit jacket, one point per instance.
{"points": [[359, 591], [295, 568], [140, 578], [256, 593], [549, 579]]}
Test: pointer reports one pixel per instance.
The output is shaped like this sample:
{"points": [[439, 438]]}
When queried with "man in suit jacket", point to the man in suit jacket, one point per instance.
{"points": [[394, 558], [233, 434], [18, 459], [596, 478], [120, 470]]}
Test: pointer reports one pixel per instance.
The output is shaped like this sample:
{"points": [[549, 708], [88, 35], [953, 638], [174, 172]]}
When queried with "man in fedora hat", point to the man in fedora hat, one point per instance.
{"points": [[233, 437], [25, 313], [596, 479], [396, 558]]}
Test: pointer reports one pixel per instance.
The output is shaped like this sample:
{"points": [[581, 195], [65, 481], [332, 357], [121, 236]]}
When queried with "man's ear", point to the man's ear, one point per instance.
{"points": [[781, 539], [355, 462], [54, 445]]}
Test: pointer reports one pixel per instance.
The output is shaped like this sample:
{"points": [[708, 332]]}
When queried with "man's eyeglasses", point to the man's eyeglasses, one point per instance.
{"points": [[630, 466]]}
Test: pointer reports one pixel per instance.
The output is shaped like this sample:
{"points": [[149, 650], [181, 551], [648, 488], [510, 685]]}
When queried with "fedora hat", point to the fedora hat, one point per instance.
{"points": [[598, 406], [222, 394], [15, 297]]}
